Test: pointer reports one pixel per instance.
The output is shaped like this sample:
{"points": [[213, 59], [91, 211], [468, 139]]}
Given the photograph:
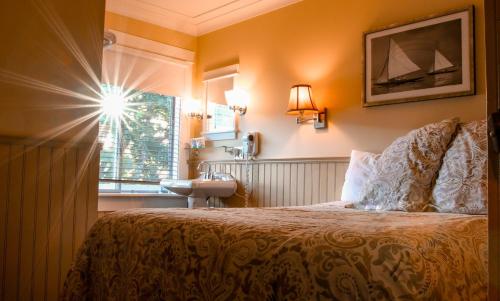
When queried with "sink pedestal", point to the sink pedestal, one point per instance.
{"points": [[194, 202]]}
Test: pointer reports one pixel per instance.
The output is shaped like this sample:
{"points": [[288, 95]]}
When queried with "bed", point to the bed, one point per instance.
{"points": [[390, 247], [322, 252]]}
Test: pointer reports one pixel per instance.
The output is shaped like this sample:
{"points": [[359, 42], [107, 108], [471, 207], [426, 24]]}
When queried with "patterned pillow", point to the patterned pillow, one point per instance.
{"points": [[461, 186], [403, 175]]}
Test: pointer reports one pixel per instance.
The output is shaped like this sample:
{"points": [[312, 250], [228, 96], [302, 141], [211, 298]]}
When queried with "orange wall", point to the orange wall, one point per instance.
{"points": [[320, 42], [150, 31], [55, 47]]}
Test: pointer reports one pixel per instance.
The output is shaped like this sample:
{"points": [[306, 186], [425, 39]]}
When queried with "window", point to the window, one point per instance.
{"points": [[140, 136]]}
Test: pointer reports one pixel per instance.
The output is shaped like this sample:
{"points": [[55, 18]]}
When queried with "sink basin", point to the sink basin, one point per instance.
{"points": [[181, 187], [198, 190]]}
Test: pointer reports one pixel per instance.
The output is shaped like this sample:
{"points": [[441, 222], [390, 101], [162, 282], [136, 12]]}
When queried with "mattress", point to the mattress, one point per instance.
{"points": [[322, 252]]}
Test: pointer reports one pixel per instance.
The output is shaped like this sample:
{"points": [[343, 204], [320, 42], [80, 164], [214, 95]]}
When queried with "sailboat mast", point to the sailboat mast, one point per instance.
{"points": [[386, 65], [433, 67], [397, 66]]}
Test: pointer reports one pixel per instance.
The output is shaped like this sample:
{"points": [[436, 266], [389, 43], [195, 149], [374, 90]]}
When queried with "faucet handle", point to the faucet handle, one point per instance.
{"points": [[206, 173]]}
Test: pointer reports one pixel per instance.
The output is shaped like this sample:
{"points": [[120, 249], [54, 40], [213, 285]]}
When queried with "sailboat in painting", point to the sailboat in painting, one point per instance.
{"points": [[397, 68], [441, 64]]}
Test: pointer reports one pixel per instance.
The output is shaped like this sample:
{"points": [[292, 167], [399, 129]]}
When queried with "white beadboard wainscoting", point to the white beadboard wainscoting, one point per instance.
{"points": [[48, 201], [282, 182]]}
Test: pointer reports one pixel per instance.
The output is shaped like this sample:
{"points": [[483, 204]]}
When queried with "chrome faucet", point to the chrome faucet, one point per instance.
{"points": [[207, 175]]}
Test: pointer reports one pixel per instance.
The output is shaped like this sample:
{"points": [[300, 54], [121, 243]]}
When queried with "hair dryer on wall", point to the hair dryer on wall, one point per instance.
{"points": [[250, 145]]}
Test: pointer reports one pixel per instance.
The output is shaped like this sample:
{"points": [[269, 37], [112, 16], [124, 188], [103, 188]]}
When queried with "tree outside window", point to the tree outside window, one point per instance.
{"points": [[141, 147]]}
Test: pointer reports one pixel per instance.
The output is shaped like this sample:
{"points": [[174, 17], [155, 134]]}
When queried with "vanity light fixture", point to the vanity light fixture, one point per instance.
{"points": [[301, 103], [194, 115], [238, 100], [193, 110]]}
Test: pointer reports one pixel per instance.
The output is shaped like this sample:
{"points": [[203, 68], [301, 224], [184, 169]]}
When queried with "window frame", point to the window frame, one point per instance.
{"points": [[181, 58], [174, 146]]}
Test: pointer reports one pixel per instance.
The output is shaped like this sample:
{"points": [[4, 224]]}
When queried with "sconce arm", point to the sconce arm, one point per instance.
{"points": [[241, 110], [319, 119]]}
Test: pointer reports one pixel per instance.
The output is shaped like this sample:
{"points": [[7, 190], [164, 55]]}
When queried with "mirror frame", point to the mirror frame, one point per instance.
{"points": [[211, 75]]}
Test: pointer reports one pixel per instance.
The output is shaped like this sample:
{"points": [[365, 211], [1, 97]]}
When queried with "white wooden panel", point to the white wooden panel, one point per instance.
{"points": [[323, 183], [4, 178], [315, 182], [28, 222], [93, 187], [267, 185], [273, 179], [14, 207], [43, 217], [293, 184], [42, 225], [276, 183], [82, 183], [301, 183], [55, 221], [331, 180], [308, 183], [286, 184], [68, 212], [261, 186]]}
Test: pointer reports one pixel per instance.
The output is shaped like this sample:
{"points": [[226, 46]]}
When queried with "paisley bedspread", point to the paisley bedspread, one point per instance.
{"points": [[302, 253]]}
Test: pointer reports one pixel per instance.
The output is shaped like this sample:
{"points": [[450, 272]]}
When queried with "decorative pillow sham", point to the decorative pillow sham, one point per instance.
{"points": [[461, 186], [403, 175], [357, 174]]}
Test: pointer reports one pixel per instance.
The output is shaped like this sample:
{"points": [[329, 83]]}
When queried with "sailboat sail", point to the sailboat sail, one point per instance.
{"points": [[398, 64], [384, 76], [440, 62]]}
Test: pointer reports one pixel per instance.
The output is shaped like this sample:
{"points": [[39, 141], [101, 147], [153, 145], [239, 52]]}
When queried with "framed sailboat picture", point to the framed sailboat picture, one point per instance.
{"points": [[426, 59]]}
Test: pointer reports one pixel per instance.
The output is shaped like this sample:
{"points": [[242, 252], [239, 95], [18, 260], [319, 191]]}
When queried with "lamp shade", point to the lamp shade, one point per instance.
{"points": [[237, 98], [301, 100], [192, 106]]}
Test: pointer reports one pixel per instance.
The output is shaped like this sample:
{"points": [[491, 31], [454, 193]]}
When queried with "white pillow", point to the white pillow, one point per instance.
{"points": [[360, 167]]}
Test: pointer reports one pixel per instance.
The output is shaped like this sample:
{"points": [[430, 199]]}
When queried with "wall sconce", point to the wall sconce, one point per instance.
{"points": [[238, 100], [193, 109], [301, 103], [194, 115]]}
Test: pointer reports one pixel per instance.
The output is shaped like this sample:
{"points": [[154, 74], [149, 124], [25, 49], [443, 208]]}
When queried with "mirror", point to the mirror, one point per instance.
{"points": [[221, 124]]}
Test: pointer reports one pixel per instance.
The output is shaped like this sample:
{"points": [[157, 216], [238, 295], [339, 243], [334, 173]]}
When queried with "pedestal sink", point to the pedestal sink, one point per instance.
{"points": [[200, 189]]}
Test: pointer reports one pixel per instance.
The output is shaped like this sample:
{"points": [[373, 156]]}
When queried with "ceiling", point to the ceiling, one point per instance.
{"points": [[194, 17]]}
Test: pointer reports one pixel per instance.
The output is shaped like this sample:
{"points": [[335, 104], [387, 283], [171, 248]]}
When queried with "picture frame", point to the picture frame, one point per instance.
{"points": [[424, 59]]}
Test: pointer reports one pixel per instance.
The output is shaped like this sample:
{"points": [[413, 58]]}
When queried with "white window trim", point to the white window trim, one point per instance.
{"points": [[134, 45], [153, 47]]}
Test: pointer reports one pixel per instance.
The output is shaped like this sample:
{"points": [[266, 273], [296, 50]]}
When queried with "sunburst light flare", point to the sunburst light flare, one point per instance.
{"points": [[117, 106], [114, 103], [106, 100]]}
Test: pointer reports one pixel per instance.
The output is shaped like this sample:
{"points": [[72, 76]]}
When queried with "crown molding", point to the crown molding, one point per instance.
{"points": [[214, 17]]}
